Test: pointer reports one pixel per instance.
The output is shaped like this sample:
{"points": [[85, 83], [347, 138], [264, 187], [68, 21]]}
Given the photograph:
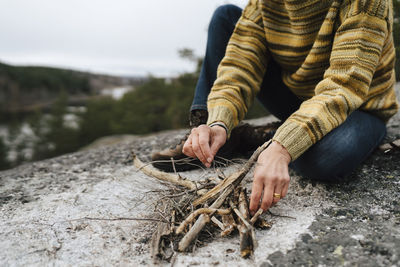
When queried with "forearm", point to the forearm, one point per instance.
{"points": [[355, 55], [241, 71]]}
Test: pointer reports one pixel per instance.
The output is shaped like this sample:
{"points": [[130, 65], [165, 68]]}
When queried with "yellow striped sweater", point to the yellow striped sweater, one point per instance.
{"points": [[336, 55]]}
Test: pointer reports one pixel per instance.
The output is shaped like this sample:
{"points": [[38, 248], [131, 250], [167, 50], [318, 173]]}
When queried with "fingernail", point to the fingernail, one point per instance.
{"points": [[209, 160]]}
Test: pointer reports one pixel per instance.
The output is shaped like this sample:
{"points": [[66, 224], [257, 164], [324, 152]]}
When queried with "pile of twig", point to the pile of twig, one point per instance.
{"points": [[194, 207]]}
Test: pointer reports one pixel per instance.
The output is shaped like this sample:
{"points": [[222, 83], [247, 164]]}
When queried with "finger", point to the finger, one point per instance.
{"points": [[255, 197], [285, 182], [285, 189], [204, 143], [187, 148], [268, 197], [277, 195], [218, 139], [196, 148]]}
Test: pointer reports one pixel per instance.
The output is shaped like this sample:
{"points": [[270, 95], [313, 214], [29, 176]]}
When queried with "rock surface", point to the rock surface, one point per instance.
{"points": [[78, 209]]}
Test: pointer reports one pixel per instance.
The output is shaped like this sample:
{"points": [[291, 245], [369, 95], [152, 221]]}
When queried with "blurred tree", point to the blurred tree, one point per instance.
{"points": [[63, 138], [97, 121], [187, 53], [181, 97], [144, 109], [52, 80], [40, 145], [15, 141], [4, 163], [53, 136]]}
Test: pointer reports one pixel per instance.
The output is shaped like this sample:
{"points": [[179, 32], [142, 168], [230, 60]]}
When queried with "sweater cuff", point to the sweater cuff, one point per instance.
{"points": [[294, 138], [221, 114]]}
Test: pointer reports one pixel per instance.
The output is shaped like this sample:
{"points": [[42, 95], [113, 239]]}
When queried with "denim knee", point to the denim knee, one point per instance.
{"points": [[226, 13], [318, 170], [343, 149]]}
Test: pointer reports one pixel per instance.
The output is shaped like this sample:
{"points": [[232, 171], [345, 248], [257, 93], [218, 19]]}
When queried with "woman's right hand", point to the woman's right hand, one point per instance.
{"points": [[204, 142]]}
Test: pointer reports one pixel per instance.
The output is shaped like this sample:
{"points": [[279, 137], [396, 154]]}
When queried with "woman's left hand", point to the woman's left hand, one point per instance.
{"points": [[271, 176]]}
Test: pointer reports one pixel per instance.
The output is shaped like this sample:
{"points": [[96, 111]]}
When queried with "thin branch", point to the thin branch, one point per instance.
{"points": [[198, 212], [229, 224], [240, 215], [256, 216], [218, 223], [168, 177], [173, 166], [117, 219]]}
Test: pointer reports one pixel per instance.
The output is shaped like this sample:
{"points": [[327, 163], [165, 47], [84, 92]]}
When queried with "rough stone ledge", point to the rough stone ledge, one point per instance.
{"points": [[48, 213]]}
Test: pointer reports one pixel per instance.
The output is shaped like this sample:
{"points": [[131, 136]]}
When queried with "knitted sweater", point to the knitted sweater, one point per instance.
{"points": [[336, 55]]}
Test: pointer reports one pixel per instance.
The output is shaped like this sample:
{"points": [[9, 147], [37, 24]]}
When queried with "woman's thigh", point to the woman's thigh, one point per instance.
{"points": [[275, 96]]}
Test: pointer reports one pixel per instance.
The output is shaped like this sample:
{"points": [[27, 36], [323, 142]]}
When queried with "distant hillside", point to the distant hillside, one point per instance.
{"points": [[25, 88]]}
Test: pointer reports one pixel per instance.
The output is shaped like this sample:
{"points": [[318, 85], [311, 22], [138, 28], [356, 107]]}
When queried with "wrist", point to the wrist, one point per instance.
{"points": [[278, 148], [220, 124]]}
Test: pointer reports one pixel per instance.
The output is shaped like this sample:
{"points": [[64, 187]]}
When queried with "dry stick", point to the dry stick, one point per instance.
{"points": [[256, 215], [229, 224], [226, 187], [173, 165], [162, 231], [117, 219], [246, 230], [218, 223], [173, 218], [387, 147], [164, 176], [236, 177], [196, 213], [187, 192], [242, 218]]}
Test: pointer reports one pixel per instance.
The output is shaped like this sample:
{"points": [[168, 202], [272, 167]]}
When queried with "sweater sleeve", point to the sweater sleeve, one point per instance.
{"points": [[241, 71], [356, 51]]}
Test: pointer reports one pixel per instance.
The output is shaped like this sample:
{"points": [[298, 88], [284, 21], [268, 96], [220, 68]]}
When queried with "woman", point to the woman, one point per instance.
{"points": [[325, 68]]}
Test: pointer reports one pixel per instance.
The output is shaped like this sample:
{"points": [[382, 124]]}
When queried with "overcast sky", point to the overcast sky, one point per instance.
{"points": [[127, 37]]}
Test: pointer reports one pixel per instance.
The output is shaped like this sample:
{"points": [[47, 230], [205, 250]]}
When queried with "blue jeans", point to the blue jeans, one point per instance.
{"points": [[330, 159]]}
